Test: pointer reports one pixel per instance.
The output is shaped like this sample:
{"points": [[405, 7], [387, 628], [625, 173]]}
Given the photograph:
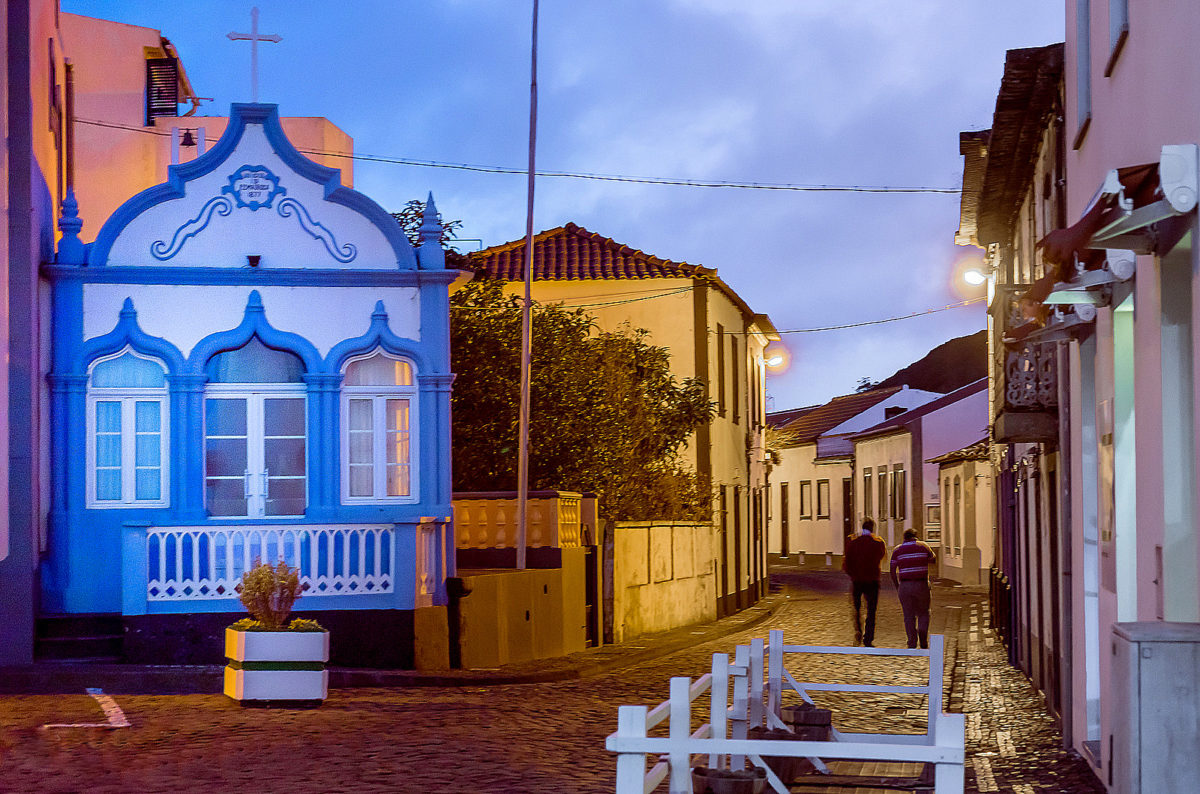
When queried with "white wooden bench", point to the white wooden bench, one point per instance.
{"points": [[757, 701]]}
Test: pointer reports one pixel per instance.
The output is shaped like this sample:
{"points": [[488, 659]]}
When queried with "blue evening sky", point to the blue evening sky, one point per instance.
{"points": [[839, 92]]}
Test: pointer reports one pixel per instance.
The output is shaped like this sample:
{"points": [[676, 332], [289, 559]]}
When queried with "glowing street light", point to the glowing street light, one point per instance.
{"points": [[975, 277]]}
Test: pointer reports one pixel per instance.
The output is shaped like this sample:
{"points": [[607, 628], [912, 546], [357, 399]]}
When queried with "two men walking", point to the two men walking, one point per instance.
{"points": [[909, 571]]}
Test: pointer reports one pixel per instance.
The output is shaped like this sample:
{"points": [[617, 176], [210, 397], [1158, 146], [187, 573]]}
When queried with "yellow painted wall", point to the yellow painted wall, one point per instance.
{"points": [[517, 616], [663, 577]]}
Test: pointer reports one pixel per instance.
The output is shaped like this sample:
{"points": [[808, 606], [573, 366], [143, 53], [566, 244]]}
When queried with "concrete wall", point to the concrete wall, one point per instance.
{"points": [[516, 616], [663, 577]]}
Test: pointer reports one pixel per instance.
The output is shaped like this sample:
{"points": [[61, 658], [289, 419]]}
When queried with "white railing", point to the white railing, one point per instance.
{"points": [[724, 739], [203, 563]]}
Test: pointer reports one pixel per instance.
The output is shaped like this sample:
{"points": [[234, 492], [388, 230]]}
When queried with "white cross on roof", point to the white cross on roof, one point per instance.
{"points": [[254, 38]]}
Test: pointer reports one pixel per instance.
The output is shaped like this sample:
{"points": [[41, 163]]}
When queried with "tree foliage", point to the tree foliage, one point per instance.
{"points": [[606, 415], [410, 219]]}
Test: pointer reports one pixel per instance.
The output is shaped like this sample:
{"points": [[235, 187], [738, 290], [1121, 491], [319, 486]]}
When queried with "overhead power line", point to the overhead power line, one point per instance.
{"points": [[958, 305], [641, 180]]}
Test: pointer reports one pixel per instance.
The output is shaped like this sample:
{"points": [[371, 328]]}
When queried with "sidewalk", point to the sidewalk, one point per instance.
{"points": [[50, 678]]}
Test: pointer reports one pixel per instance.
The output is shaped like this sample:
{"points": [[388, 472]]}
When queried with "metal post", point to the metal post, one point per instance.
{"points": [[527, 314]]}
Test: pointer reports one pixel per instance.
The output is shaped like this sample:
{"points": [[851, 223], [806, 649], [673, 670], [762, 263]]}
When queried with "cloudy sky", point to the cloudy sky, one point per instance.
{"points": [[801, 92]]}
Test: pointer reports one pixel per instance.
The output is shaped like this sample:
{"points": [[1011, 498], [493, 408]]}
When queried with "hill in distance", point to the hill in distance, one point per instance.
{"points": [[947, 367]]}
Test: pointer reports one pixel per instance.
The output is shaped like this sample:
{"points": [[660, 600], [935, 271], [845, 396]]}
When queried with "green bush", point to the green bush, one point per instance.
{"points": [[298, 624], [268, 592]]}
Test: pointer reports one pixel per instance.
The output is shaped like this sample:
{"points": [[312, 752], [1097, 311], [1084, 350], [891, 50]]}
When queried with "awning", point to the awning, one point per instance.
{"points": [[1136, 211]]}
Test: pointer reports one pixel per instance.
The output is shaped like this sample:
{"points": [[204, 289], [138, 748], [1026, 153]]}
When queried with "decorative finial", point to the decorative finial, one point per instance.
{"points": [[430, 255], [127, 309], [70, 247], [254, 303]]}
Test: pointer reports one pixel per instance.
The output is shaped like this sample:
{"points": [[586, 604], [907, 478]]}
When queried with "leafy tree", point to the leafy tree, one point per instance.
{"points": [[606, 415], [865, 384], [410, 219]]}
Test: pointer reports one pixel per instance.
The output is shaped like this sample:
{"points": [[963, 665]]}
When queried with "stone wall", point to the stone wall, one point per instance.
{"points": [[663, 577]]}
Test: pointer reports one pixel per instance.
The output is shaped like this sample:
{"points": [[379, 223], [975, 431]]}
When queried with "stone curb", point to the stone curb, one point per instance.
{"points": [[57, 678]]}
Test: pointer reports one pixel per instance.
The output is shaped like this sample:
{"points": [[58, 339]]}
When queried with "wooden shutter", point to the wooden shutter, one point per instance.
{"points": [[162, 88]]}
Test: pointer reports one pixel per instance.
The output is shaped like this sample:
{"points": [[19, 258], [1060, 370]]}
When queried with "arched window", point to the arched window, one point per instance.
{"points": [[378, 417], [127, 440], [255, 433]]}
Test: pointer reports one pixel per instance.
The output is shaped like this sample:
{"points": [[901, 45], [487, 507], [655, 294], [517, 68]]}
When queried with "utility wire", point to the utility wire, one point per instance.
{"points": [[641, 180], [948, 307], [958, 305]]}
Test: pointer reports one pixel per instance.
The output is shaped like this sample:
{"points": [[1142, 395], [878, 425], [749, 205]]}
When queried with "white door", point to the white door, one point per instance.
{"points": [[254, 453]]}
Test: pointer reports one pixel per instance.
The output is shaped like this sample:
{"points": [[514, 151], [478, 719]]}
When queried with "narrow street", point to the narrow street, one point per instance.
{"points": [[546, 737]]}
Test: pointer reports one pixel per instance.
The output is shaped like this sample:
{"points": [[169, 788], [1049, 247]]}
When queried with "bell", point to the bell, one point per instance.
{"points": [[188, 139]]}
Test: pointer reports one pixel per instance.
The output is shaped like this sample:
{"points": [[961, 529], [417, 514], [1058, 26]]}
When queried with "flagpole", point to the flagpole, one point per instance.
{"points": [[527, 313]]}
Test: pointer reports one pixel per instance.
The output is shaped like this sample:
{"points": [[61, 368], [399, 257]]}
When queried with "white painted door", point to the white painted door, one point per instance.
{"points": [[254, 453]]}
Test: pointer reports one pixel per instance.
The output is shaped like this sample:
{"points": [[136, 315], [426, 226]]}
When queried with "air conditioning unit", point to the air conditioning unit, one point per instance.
{"points": [[1156, 708]]}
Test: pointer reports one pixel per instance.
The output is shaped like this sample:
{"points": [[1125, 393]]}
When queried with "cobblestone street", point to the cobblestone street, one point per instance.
{"points": [[545, 737]]}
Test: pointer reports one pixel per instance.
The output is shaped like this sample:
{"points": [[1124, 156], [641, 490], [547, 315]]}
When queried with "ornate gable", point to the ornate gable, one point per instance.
{"points": [[253, 201]]}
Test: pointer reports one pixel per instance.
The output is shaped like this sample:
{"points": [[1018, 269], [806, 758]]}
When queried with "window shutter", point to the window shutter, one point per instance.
{"points": [[162, 88]]}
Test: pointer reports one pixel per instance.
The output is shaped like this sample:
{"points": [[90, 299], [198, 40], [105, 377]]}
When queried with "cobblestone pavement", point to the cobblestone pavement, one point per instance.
{"points": [[534, 737]]}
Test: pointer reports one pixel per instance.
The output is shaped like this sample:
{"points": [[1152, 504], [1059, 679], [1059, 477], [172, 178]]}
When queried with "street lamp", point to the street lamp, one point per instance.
{"points": [[976, 276]]}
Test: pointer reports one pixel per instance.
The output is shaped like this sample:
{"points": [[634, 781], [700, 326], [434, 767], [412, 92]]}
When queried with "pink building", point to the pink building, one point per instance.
{"points": [[1094, 152]]}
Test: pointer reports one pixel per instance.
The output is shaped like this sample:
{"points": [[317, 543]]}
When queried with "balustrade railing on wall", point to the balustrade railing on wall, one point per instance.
{"points": [[202, 563], [1026, 374], [554, 519]]}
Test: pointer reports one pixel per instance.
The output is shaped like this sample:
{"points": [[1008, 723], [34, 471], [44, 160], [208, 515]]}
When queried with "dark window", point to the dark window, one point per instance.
{"points": [[899, 492], [881, 482], [806, 499], [162, 88], [822, 498], [720, 369], [735, 376]]}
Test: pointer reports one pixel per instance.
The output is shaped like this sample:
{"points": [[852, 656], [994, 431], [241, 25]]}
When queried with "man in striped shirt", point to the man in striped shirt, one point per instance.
{"points": [[910, 573]]}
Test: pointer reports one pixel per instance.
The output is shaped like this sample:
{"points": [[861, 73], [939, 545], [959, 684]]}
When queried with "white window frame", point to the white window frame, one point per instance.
{"points": [[379, 395], [255, 478], [128, 397]]}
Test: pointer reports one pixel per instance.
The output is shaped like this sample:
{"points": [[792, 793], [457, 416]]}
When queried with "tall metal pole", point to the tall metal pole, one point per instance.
{"points": [[527, 313]]}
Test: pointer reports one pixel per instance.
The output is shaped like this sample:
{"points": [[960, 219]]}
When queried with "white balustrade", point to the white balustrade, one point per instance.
{"points": [[203, 563]]}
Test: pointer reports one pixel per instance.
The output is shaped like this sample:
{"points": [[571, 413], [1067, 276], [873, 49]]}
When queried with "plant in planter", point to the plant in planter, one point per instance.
{"points": [[271, 660]]}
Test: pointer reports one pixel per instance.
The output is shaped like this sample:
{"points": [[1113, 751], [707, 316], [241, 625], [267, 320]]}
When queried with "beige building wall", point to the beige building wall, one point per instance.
{"points": [[884, 454], [815, 526], [683, 314]]}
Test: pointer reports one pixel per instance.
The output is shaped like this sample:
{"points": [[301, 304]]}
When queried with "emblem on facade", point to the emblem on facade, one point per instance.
{"points": [[253, 187]]}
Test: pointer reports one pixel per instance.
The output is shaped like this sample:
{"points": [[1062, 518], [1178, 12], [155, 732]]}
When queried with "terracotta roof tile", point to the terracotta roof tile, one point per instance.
{"points": [[571, 252], [810, 424]]}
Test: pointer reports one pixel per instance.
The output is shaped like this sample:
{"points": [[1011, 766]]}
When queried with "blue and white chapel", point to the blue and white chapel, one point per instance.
{"points": [[250, 362]]}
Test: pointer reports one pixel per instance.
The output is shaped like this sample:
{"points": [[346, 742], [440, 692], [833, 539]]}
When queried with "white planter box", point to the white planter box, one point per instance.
{"points": [[276, 665]]}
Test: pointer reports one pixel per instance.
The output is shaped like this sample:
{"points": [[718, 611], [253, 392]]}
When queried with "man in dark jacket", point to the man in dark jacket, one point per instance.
{"points": [[863, 553]]}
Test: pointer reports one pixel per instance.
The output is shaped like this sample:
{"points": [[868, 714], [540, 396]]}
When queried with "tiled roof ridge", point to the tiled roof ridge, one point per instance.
{"points": [[811, 424], [571, 252]]}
